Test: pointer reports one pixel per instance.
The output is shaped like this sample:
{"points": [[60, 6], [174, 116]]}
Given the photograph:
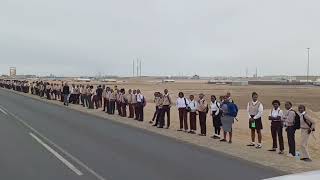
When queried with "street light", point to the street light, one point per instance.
{"points": [[308, 68]]}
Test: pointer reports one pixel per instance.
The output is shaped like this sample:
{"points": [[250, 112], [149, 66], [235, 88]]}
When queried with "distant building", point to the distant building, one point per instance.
{"points": [[13, 72], [197, 77]]}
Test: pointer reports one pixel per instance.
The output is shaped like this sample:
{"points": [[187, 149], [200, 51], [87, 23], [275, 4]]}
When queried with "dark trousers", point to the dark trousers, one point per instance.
{"points": [[82, 99], [155, 114], [216, 120], [118, 107], [131, 111], [193, 121], [104, 104], [90, 101], [123, 109], [112, 106], [107, 105], [166, 110], [276, 132], [183, 118], [203, 122], [160, 117], [136, 111], [291, 140], [140, 111]]}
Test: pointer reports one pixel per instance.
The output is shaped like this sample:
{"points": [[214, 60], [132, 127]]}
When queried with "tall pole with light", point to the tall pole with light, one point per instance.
{"points": [[308, 68]]}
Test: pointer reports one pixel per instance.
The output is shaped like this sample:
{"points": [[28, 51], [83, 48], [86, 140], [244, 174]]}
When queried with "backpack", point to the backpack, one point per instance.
{"points": [[233, 109], [296, 120]]}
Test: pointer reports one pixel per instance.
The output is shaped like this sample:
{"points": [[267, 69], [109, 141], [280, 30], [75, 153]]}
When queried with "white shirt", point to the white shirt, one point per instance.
{"points": [[193, 105], [276, 113], [260, 110], [182, 103], [214, 107], [139, 98]]}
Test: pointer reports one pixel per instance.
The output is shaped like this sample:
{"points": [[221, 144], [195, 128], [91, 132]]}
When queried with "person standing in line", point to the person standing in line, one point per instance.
{"points": [[167, 106], [276, 127], [141, 103], [156, 102], [289, 119], [307, 125], [123, 102], [182, 104], [203, 110], [82, 95], [108, 95], [90, 93], [130, 103], [216, 117], [99, 91], [104, 97], [135, 103], [118, 101], [77, 94], [193, 105], [229, 112], [112, 99], [255, 111], [48, 89], [159, 117], [66, 92]]}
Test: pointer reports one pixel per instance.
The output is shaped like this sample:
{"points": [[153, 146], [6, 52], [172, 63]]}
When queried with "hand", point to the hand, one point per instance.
{"points": [[251, 119]]}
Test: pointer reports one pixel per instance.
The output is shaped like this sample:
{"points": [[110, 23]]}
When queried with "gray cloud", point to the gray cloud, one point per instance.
{"points": [[208, 37]]}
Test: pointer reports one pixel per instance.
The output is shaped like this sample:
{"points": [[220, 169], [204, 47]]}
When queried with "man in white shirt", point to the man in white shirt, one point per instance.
{"points": [[276, 126], [193, 105], [182, 104], [141, 102], [255, 111]]}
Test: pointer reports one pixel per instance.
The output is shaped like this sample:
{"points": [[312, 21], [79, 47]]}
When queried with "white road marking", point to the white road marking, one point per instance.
{"points": [[3, 111], [99, 177], [57, 155]]}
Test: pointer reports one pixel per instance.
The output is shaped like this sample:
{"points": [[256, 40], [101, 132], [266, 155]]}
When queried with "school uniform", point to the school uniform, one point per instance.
{"points": [[288, 119], [140, 105], [90, 98], [167, 107], [112, 99], [307, 125], [193, 115], [160, 115], [123, 102], [130, 104], [182, 104], [203, 110], [118, 103], [216, 117], [108, 94], [135, 105], [104, 97], [276, 128], [156, 102], [255, 111]]}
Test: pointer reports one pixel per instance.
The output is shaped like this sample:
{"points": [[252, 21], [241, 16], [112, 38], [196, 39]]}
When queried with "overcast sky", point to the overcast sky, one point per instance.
{"points": [[172, 37]]}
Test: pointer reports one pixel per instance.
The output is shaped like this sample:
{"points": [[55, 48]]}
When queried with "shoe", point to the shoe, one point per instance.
{"points": [[259, 146], [179, 130], [290, 155], [306, 159], [251, 145], [272, 150], [223, 140], [216, 137], [192, 132], [230, 142], [154, 125], [202, 134], [160, 127], [280, 152], [167, 127]]}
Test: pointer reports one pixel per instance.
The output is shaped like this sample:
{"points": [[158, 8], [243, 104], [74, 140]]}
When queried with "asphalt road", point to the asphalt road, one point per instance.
{"points": [[43, 141]]}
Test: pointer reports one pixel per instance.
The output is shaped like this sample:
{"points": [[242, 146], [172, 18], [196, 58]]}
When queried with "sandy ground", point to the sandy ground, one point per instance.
{"points": [[307, 95]]}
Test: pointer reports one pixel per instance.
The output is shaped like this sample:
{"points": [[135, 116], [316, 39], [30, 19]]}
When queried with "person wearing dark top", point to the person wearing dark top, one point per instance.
{"points": [[65, 92], [99, 92]]}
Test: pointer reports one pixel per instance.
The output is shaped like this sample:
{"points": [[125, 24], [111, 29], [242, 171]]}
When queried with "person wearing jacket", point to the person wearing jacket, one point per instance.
{"points": [[228, 109]]}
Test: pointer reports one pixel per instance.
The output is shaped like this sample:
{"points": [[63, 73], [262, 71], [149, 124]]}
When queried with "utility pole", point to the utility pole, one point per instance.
{"points": [[137, 67], [133, 67], [308, 66], [140, 68]]}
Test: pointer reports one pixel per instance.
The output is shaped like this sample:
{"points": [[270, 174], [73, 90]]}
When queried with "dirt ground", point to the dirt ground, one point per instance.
{"points": [[307, 95]]}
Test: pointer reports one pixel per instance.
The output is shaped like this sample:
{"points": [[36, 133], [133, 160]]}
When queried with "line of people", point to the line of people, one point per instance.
{"points": [[223, 111]]}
